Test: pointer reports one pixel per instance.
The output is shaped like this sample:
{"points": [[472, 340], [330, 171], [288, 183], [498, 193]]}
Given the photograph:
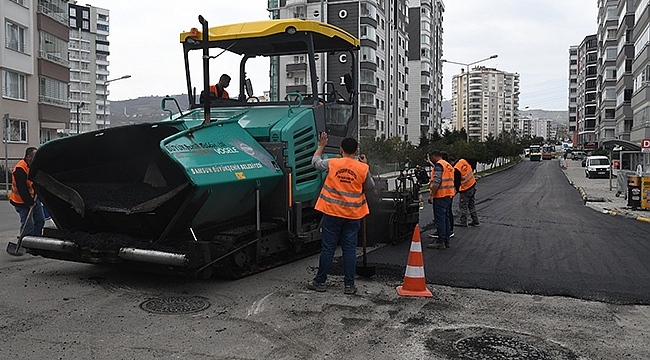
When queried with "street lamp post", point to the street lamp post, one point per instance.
{"points": [[106, 93], [79, 106], [467, 65]]}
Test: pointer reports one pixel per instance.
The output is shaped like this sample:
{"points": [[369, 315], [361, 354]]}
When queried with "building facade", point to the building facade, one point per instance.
{"points": [[606, 79], [586, 98], [88, 49], [640, 128], [624, 80], [573, 92], [425, 69], [381, 27], [493, 100], [35, 73]]}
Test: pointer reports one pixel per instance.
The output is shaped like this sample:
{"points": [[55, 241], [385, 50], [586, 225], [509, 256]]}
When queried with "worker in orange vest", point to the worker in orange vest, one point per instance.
{"points": [[441, 193], [22, 196], [220, 88], [343, 203], [467, 193]]}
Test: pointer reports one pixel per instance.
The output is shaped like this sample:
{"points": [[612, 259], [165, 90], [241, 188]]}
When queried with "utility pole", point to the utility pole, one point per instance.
{"points": [[79, 106]]}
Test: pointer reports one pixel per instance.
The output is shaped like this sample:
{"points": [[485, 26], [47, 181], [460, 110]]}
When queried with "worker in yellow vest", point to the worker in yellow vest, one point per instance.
{"points": [[22, 196], [343, 203], [441, 193], [467, 193]]}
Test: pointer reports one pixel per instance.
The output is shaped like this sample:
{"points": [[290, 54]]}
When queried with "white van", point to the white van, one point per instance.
{"points": [[597, 166]]}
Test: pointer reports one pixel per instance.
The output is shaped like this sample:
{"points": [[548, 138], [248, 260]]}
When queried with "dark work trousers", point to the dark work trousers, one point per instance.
{"points": [[467, 205]]}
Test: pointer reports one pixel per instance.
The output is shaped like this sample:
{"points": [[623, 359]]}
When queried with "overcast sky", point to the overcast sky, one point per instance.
{"points": [[531, 37]]}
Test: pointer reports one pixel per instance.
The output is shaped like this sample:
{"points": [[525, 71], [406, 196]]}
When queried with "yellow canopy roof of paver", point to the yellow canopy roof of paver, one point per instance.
{"points": [[275, 37]]}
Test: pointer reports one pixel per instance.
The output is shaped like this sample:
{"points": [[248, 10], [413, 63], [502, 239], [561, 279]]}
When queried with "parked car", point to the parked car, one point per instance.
{"points": [[578, 155], [597, 166]]}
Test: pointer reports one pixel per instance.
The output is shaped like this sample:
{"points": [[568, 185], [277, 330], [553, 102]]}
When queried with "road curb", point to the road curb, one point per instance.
{"points": [[616, 212]]}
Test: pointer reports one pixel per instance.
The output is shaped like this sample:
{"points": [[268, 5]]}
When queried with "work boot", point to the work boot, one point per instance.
{"points": [[350, 290], [313, 285], [437, 246]]}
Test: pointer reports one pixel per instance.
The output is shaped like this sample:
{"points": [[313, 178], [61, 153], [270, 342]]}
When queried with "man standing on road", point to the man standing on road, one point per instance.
{"points": [[467, 193], [22, 196], [343, 204], [441, 193], [450, 213]]}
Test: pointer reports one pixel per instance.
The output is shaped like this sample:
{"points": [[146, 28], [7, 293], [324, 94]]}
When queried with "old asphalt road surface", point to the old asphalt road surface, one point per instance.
{"points": [[537, 237], [52, 309]]}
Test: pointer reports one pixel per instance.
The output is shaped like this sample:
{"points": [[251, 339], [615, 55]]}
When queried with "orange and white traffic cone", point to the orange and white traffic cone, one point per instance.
{"points": [[414, 281]]}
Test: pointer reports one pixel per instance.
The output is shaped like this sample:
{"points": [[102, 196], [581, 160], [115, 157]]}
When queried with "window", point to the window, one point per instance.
{"points": [[15, 36], [368, 54], [368, 10], [53, 92], [17, 130], [366, 77], [368, 32], [73, 12], [53, 49], [14, 85]]}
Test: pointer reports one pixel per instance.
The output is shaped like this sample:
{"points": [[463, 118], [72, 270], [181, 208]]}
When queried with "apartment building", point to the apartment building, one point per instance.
{"points": [[381, 27], [640, 128], [424, 69], [586, 96], [35, 72], [573, 92], [88, 49], [493, 99], [606, 80], [624, 80]]}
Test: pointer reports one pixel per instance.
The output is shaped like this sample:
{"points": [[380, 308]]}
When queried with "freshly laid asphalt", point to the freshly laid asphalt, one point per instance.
{"points": [[538, 237]]}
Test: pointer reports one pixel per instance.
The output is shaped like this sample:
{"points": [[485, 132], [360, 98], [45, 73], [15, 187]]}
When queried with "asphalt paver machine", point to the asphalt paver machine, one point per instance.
{"points": [[224, 188]]}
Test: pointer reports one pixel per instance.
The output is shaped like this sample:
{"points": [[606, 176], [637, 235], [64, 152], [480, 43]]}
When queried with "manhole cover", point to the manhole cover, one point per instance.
{"points": [[170, 305], [497, 347]]}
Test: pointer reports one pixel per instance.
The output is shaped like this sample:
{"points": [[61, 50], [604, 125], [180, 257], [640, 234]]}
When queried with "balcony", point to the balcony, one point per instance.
{"points": [[51, 10], [54, 58], [297, 67]]}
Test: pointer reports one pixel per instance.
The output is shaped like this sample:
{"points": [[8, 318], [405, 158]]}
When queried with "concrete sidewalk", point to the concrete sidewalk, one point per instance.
{"points": [[598, 194]]}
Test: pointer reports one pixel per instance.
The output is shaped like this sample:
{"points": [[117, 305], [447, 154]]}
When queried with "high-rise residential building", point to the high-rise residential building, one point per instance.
{"points": [[573, 93], [381, 27], [424, 69], [493, 101], [89, 50], [586, 96], [35, 72], [640, 128], [623, 72], [606, 83]]}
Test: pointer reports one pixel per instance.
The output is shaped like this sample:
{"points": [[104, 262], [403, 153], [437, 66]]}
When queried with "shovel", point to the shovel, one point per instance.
{"points": [[15, 249], [365, 270]]}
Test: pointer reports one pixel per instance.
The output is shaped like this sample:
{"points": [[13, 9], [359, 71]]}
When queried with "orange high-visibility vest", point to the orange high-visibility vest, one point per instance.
{"points": [[224, 93], [14, 196], [467, 179], [342, 194], [446, 188]]}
